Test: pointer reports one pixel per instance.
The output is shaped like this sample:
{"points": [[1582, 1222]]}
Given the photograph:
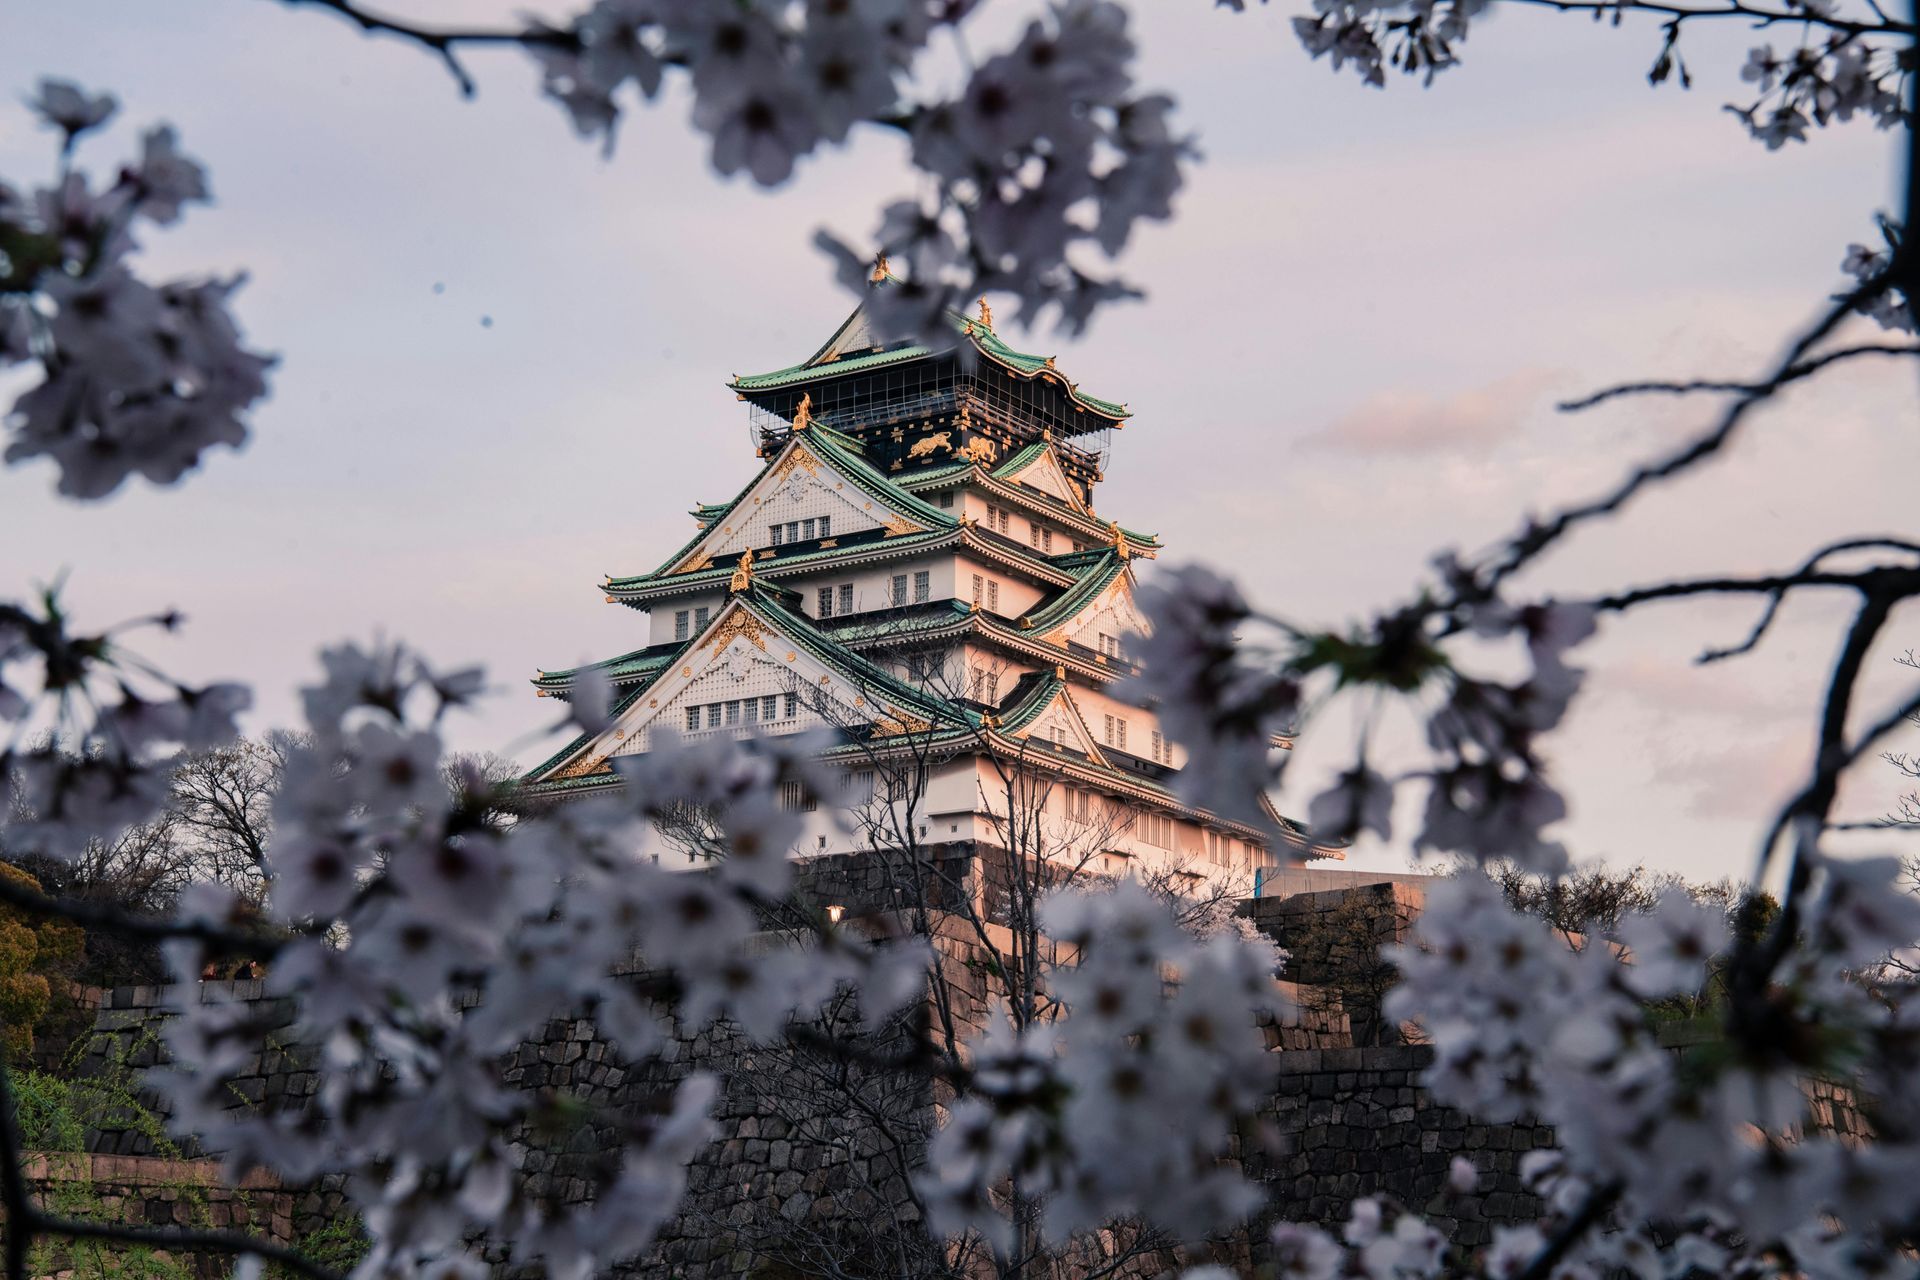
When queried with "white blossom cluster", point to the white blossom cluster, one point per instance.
{"points": [[1892, 308], [136, 378], [1823, 81], [1226, 699], [1123, 1108], [417, 941], [84, 723], [1046, 148]]}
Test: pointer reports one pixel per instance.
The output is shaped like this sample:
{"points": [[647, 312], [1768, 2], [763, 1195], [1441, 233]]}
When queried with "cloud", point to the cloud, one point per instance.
{"points": [[1472, 421]]}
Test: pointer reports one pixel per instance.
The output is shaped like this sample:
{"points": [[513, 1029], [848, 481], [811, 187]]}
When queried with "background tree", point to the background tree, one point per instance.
{"points": [[38, 958]]}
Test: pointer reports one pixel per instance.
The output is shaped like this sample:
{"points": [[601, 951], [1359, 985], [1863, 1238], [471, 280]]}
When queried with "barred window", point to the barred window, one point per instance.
{"points": [[693, 719], [922, 586], [680, 621], [846, 597], [825, 597]]}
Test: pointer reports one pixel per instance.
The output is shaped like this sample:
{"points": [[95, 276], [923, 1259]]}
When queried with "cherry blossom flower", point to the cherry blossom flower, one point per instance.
{"points": [[1672, 944], [72, 110]]}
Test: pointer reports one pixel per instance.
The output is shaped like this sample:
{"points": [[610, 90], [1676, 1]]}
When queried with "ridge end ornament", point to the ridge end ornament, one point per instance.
{"points": [[742, 578], [986, 312], [803, 415], [880, 269]]}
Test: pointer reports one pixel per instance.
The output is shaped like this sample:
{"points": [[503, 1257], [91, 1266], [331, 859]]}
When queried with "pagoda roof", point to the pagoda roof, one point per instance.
{"points": [[769, 604], [640, 665], [852, 349], [840, 452]]}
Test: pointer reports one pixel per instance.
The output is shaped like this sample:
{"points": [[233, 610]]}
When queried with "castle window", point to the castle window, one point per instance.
{"points": [[1109, 645], [1160, 753], [922, 586], [806, 530], [768, 707], [776, 534], [795, 797], [693, 719], [1157, 829], [680, 621], [733, 712], [753, 710], [1117, 732], [946, 497], [713, 715], [993, 596], [979, 588], [826, 525], [700, 618], [899, 589], [846, 597], [826, 602], [793, 705]]}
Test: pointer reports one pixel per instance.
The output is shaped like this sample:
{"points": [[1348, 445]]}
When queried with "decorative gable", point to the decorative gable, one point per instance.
{"points": [[804, 494], [1112, 613], [1061, 724], [742, 673], [1045, 474]]}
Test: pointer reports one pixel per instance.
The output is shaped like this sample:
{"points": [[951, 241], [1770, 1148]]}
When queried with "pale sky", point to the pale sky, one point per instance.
{"points": [[503, 360]]}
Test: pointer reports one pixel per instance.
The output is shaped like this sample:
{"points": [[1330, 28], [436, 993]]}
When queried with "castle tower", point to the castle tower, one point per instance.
{"points": [[918, 568]]}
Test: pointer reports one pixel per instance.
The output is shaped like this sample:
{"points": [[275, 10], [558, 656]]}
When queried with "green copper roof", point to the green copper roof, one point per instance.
{"points": [[638, 665], [826, 364], [1102, 569], [836, 450]]}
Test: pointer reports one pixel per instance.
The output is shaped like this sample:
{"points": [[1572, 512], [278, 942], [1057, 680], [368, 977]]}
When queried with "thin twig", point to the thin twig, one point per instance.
{"points": [[1805, 369], [1584, 1219], [443, 42], [1734, 9], [1539, 535]]}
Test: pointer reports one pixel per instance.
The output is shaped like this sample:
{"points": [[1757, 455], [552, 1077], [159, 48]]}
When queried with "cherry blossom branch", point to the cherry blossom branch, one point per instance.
{"points": [[1525, 547], [1897, 582], [1573, 1230], [442, 43], [1760, 17], [1804, 369]]}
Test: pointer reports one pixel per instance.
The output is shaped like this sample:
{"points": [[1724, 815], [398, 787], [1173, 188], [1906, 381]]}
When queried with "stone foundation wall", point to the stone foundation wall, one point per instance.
{"points": [[811, 1158], [1346, 1123]]}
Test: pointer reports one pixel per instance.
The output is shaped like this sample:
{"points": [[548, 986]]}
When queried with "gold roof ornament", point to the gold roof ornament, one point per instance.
{"points": [[742, 576], [880, 269], [803, 416], [1120, 547], [1059, 672], [986, 313]]}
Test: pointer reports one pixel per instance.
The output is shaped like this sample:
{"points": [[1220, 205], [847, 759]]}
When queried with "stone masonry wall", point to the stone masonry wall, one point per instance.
{"points": [[808, 1159], [1346, 1123]]}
